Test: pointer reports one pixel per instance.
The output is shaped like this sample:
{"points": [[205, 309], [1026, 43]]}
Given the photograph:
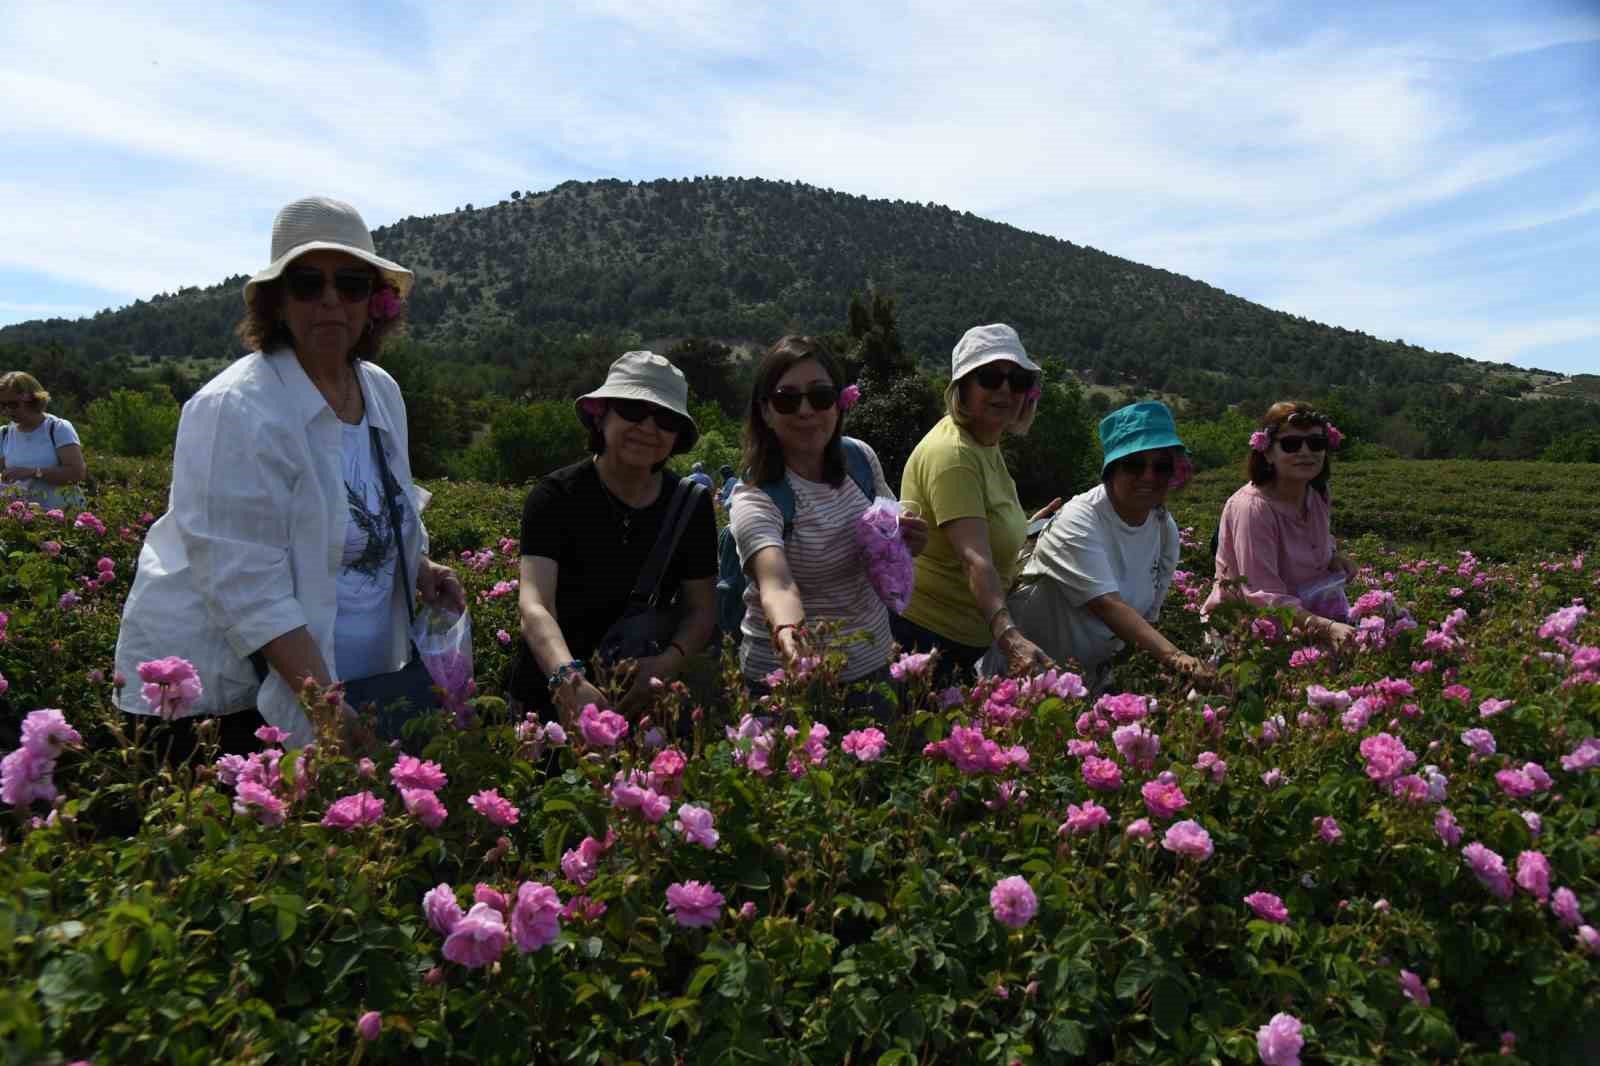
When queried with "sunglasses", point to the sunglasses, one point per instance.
{"points": [[1137, 464], [307, 283], [1291, 445], [786, 401], [639, 410], [991, 377]]}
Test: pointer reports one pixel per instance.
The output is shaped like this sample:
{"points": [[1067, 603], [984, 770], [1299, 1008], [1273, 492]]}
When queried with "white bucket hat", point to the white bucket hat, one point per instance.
{"points": [[982, 345], [319, 223], [649, 377]]}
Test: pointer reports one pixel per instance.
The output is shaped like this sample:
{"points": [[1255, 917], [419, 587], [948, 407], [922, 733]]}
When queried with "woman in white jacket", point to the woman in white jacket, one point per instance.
{"points": [[292, 501]]}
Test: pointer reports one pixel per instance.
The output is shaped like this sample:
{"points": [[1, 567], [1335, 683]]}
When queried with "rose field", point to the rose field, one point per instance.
{"points": [[1385, 855]]}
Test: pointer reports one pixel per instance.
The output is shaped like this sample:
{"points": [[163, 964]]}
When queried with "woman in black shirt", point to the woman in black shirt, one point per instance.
{"points": [[587, 530]]}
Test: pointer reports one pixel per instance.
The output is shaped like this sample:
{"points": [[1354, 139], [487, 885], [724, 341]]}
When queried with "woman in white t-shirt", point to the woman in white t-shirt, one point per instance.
{"points": [[811, 571], [1101, 569], [40, 458]]}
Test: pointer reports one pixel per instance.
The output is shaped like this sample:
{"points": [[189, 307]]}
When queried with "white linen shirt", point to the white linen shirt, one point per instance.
{"points": [[250, 545]]}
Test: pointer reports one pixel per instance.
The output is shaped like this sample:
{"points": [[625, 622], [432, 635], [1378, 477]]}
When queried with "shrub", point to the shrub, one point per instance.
{"points": [[132, 423]]}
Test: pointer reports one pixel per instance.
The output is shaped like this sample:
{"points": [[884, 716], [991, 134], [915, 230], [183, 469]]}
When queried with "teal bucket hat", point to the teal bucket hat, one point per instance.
{"points": [[1138, 427]]}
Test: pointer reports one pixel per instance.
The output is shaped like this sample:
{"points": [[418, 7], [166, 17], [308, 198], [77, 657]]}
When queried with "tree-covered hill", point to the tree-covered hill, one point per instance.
{"points": [[519, 283]]}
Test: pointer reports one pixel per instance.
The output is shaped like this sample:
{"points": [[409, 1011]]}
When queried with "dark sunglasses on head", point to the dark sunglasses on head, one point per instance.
{"points": [[1136, 465], [639, 410], [786, 401], [307, 283], [991, 376], [1291, 445]]}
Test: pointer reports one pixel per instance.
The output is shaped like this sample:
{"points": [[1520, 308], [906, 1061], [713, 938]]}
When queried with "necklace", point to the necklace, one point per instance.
{"points": [[623, 512]]}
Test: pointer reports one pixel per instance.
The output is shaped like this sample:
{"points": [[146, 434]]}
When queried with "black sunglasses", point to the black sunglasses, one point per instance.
{"points": [[639, 410], [307, 283], [1291, 445], [786, 401], [1136, 464], [991, 376]]}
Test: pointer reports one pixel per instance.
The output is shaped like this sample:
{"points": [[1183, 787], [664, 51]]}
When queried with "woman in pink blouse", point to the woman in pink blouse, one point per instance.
{"points": [[1275, 532]]}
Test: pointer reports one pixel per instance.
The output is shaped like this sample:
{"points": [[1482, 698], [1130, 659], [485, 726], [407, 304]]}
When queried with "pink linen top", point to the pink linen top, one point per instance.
{"points": [[1278, 549]]}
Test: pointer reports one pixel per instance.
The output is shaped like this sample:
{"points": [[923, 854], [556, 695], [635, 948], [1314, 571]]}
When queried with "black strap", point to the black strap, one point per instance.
{"points": [[684, 499], [391, 493]]}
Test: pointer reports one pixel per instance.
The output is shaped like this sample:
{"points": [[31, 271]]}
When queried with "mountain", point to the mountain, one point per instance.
{"points": [[749, 258]]}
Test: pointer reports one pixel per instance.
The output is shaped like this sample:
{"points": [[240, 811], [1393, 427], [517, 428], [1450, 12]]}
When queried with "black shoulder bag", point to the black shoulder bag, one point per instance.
{"points": [[646, 627]]}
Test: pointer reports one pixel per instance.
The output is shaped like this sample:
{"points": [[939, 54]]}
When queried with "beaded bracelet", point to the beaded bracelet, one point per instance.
{"points": [[799, 628], [565, 671]]}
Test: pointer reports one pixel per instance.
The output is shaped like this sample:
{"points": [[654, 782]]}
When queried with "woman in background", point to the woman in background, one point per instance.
{"points": [[41, 460]]}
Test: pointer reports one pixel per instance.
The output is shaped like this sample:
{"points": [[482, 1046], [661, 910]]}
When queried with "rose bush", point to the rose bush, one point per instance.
{"points": [[1312, 862]]}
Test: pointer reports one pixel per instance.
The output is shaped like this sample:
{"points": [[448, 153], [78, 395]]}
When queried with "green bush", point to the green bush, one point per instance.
{"points": [[533, 439], [132, 423]]}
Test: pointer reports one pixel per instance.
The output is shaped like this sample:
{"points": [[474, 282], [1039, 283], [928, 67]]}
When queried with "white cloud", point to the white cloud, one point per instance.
{"points": [[1350, 178]]}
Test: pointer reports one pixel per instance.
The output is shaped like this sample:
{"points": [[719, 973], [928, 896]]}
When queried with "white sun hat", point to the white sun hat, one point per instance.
{"points": [[646, 376], [320, 223], [982, 345]]}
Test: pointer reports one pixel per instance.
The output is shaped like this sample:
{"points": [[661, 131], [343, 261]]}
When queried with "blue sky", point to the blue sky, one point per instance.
{"points": [[1425, 171]]}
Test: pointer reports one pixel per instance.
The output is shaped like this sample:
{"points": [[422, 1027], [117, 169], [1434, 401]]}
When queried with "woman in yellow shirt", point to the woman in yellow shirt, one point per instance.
{"points": [[958, 479]]}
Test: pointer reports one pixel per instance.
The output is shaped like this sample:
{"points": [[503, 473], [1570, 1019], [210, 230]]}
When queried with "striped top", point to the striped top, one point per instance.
{"points": [[825, 563]]}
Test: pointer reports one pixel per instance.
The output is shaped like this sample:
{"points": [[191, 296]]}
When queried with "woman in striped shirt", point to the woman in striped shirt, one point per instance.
{"points": [[807, 569]]}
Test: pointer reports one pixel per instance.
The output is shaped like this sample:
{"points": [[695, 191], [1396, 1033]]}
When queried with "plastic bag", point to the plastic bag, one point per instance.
{"points": [[884, 553], [1326, 597], [444, 643]]}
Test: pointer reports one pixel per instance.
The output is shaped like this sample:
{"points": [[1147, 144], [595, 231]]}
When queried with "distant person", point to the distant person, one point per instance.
{"points": [[1276, 532], [41, 460], [794, 522], [588, 531], [698, 475], [957, 478], [729, 483], [1100, 570], [294, 537]]}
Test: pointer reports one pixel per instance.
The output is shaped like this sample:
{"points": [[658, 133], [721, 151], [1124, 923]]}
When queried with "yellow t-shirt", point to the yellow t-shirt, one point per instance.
{"points": [[950, 475]]}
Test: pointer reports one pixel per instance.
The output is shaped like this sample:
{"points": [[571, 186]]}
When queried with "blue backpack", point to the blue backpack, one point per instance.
{"points": [[731, 579]]}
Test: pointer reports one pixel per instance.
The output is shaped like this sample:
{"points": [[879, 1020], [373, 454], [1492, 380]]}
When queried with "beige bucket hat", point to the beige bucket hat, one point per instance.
{"points": [[320, 223], [649, 377], [982, 345]]}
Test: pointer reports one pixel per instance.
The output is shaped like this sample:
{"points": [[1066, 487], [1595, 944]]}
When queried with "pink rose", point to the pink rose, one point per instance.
{"points": [[1163, 799], [694, 903], [1084, 820], [171, 685], [1279, 1041], [1533, 874], [478, 938], [1189, 839], [1412, 987], [867, 745], [412, 772], [1102, 775], [1489, 868], [1013, 902], [696, 826], [494, 807], [442, 910], [369, 1025], [1267, 906], [536, 917], [353, 812], [424, 806], [848, 397], [601, 729]]}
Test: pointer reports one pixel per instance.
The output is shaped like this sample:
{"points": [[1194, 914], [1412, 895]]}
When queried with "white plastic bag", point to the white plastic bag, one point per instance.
{"points": [[444, 642], [884, 553], [1326, 597]]}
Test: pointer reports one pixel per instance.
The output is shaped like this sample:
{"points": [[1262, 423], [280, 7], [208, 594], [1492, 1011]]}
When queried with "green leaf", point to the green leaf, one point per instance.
{"points": [[1132, 979], [1169, 1005], [1068, 1037]]}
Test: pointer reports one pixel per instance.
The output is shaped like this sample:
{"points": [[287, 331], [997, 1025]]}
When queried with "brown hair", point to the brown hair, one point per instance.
{"points": [[24, 383], [1300, 415], [763, 454], [262, 329]]}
